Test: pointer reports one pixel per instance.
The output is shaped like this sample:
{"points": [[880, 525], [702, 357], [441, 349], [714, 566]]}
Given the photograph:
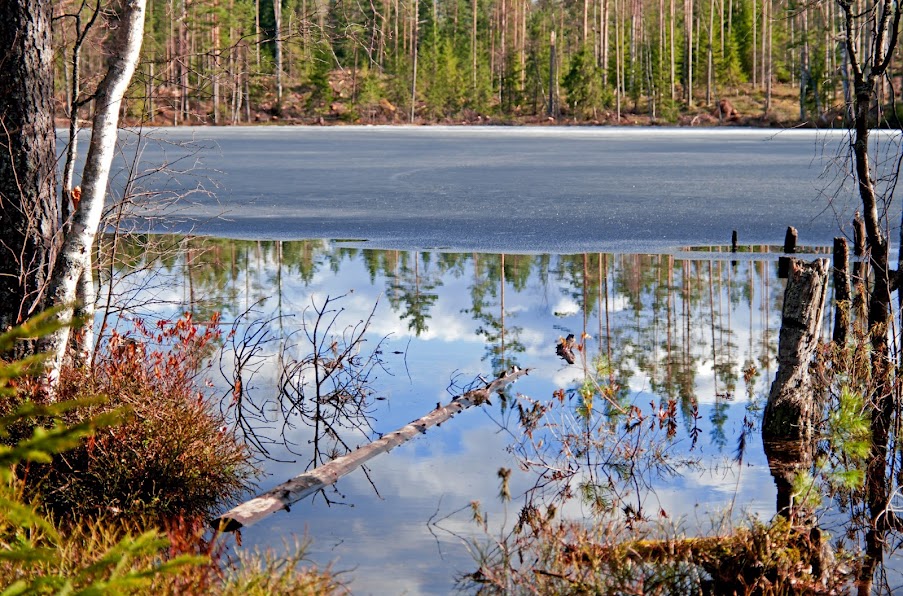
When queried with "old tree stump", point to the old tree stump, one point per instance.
{"points": [[794, 406]]}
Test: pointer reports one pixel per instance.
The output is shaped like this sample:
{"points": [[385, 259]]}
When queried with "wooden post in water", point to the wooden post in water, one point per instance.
{"points": [[288, 493], [793, 406], [841, 290], [789, 248], [734, 246], [790, 239]]}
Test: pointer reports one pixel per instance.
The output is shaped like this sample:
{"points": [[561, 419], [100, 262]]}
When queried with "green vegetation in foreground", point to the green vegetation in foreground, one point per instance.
{"points": [[154, 545]]}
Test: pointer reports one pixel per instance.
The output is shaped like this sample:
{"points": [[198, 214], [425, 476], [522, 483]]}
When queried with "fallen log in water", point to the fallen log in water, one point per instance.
{"points": [[287, 493], [777, 554]]}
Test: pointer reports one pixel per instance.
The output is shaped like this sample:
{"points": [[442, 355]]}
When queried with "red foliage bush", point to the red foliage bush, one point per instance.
{"points": [[173, 454]]}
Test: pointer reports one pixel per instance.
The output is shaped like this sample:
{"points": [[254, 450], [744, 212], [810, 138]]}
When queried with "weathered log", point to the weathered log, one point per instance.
{"points": [[287, 493], [791, 402], [734, 562], [793, 406], [841, 290]]}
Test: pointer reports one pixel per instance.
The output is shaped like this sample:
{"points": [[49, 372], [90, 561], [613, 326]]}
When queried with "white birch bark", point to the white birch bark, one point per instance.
{"points": [[75, 256]]}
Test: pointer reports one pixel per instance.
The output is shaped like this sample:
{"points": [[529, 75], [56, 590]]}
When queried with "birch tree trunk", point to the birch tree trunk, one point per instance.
{"points": [[75, 256]]}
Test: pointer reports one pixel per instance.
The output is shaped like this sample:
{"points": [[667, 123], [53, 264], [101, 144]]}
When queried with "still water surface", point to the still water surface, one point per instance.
{"points": [[675, 327]]}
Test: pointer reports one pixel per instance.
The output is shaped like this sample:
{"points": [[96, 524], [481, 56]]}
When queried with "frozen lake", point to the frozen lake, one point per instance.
{"points": [[523, 190]]}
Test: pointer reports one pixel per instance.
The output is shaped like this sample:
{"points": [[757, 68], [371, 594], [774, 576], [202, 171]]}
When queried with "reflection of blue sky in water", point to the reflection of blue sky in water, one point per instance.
{"points": [[664, 315]]}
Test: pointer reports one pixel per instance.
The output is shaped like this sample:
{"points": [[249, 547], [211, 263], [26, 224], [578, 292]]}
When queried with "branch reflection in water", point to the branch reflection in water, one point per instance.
{"points": [[654, 426]]}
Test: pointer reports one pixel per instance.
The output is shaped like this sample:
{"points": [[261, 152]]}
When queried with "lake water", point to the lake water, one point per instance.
{"points": [[476, 250]]}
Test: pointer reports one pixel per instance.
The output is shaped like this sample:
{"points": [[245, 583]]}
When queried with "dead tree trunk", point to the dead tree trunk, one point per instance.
{"points": [[288, 493], [793, 406], [841, 291]]}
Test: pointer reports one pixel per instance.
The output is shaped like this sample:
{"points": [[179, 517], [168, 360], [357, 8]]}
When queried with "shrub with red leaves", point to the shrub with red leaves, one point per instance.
{"points": [[173, 455]]}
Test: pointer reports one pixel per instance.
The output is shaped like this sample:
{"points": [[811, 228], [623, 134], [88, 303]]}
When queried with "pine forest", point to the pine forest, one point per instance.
{"points": [[474, 61]]}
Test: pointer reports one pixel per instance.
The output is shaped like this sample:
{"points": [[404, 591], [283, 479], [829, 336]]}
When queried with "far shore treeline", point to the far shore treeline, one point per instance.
{"points": [[693, 62]]}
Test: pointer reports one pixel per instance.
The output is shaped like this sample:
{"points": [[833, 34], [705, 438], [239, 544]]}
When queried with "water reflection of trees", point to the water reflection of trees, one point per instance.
{"points": [[659, 321], [664, 325], [678, 320], [659, 316], [412, 288], [683, 340], [491, 274]]}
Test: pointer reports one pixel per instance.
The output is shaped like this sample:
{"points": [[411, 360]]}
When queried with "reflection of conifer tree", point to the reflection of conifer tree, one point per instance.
{"points": [[337, 256], [413, 292], [372, 262], [502, 340], [393, 264], [662, 377], [603, 286], [605, 375], [279, 316], [517, 270], [719, 411], [247, 253], [749, 367], [670, 390], [452, 263], [765, 352], [717, 418], [686, 375], [302, 258], [209, 280], [724, 369], [582, 279], [724, 365]]}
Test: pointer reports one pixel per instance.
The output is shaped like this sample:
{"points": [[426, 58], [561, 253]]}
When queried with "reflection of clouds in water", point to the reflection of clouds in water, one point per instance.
{"points": [[713, 494], [567, 376], [565, 307], [387, 540], [435, 481]]}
